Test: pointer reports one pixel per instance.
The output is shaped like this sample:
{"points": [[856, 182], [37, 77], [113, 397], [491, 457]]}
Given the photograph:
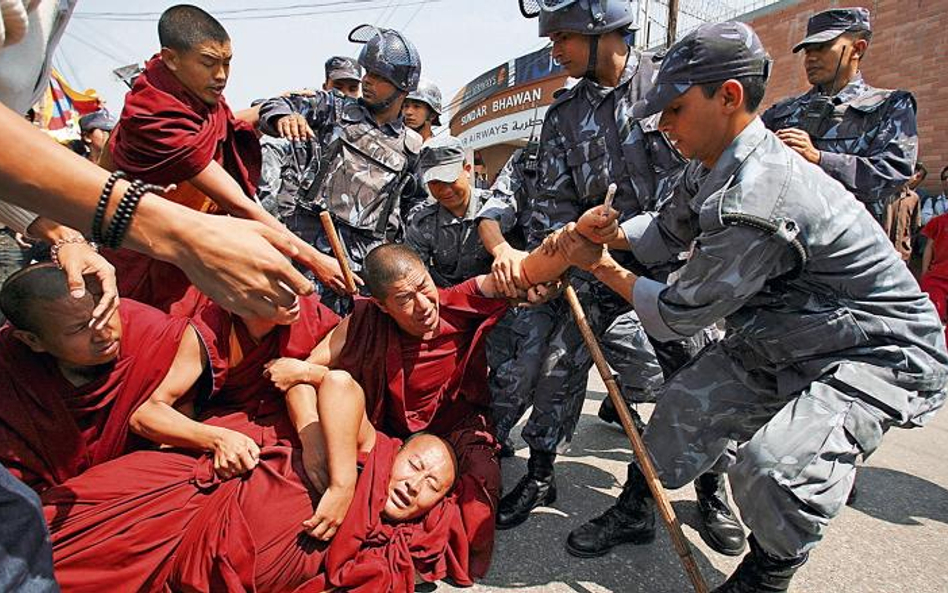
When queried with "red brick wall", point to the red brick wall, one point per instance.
{"points": [[909, 50]]}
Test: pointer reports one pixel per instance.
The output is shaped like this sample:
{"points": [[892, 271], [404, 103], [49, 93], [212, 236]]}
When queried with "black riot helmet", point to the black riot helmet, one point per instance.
{"points": [[584, 17], [389, 54]]}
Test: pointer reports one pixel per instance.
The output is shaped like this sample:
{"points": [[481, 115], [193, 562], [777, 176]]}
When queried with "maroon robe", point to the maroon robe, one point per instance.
{"points": [[51, 430], [161, 520], [247, 401], [438, 385], [168, 135]]}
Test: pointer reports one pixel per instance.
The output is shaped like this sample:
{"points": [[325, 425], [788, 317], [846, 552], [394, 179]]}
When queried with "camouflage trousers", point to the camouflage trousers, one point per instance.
{"points": [[515, 350], [796, 453], [561, 389], [357, 244]]}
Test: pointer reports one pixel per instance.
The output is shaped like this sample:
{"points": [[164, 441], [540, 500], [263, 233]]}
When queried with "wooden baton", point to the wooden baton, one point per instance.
{"points": [[338, 251], [638, 446]]}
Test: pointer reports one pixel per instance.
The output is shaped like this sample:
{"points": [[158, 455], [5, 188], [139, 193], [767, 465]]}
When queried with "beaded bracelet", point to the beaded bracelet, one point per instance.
{"points": [[60, 243], [99, 216], [122, 218]]}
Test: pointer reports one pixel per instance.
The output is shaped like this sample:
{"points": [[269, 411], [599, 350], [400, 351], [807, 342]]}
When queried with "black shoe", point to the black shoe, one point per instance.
{"points": [[506, 448], [759, 572], [721, 529], [608, 414], [612, 528], [537, 488], [631, 520]]}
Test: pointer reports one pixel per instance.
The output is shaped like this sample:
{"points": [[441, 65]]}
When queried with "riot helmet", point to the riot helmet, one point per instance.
{"points": [[591, 18], [429, 94], [389, 54]]}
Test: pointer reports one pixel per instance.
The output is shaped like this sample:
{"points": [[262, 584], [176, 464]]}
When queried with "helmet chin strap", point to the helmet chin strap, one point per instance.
{"points": [[593, 58], [385, 103]]}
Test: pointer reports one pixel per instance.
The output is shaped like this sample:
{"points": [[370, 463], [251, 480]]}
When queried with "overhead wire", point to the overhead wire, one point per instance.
{"points": [[284, 15]]}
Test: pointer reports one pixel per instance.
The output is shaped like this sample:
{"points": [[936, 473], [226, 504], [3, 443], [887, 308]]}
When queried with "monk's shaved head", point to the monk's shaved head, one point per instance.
{"points": [[184, 27], [387, 264], [26, 291]]}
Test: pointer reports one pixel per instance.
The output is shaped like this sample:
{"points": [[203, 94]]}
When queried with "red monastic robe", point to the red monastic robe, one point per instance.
{"points": [[439, 386], [248, 401], [51, 430], [161, 520], [168, 135]]}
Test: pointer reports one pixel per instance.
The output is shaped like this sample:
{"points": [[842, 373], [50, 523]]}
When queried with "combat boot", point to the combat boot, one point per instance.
{"points": [[722, 531], [537, 488], [507, 448], [630, 520], [760, 572], [608, 414]]}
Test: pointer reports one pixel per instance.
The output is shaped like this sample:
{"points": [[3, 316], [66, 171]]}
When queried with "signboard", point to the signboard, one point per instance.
{"points": [[516, 126], [516, 99]]}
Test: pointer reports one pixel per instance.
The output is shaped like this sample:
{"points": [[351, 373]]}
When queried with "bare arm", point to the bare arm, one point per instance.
{"points": [[239, 264], [158, 420], [506, 267]]}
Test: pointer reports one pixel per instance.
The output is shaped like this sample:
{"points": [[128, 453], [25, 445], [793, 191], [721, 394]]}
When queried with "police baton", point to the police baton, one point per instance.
{"points": [[638, 446], [326, 219]]}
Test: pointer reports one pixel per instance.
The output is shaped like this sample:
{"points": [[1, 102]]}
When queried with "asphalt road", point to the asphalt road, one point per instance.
{"points": [[893, 540]]}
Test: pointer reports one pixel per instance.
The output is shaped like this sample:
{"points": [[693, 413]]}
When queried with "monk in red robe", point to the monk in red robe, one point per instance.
{"points": [[67, 389], [162, 520], [177, 129], [418, 351]]}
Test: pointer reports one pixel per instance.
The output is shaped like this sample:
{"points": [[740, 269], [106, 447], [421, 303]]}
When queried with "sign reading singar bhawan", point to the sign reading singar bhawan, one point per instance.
{"points": [[507, 103]]}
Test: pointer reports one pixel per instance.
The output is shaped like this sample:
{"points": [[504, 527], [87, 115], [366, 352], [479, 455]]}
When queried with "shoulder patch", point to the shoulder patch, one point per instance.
{"points": [[413, 141]]}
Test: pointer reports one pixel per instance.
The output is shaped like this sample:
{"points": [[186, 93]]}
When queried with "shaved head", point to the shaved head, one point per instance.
{"points": [[386, 264], [184, 27], [25, 293]]}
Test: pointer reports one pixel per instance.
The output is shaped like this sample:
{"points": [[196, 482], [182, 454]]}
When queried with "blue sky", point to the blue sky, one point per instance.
{"points": [[457, 39]]}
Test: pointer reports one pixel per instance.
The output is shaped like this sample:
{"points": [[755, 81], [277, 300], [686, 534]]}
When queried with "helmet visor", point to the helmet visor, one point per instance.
{"points": [[531, 8]]}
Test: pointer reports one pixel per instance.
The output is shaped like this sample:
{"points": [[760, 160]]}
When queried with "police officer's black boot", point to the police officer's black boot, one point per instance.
{"points": [[759, 572], [722, 531], [537, 488], [630, 520], [608, 414]]}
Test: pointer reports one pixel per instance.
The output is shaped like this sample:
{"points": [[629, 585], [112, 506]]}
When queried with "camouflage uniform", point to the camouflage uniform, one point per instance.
{"points": [[286, 168], [517, 344], [829, 341], [362, 165], [449, 246], [869, 143], [590, 140]]}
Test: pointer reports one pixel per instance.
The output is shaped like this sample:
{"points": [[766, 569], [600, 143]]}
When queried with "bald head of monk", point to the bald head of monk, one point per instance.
{"points": [[423, 473], [48, 319], [196, 48], [403, 288]]}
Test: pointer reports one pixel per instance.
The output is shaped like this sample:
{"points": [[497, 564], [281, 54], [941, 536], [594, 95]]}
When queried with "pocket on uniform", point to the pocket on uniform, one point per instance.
{"points": [[834, 331], [587, 163]]}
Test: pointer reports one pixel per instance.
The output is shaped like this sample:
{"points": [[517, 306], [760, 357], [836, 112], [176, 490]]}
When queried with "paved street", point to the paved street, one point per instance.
{"points": [[895, 539]]}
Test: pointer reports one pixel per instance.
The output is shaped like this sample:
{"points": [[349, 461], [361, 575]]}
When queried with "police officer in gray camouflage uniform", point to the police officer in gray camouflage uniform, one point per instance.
{"points": [[864, 137], [422, 109], [589, 140], [366, 170], [444, 232], [829, 342]]}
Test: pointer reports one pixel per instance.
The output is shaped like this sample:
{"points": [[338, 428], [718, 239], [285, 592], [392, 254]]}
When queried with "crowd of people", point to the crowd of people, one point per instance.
{"points": [[186, 410]]}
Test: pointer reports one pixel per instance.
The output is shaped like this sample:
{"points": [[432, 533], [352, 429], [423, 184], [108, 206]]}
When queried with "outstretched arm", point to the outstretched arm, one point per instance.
{"points": [[158, 420]]}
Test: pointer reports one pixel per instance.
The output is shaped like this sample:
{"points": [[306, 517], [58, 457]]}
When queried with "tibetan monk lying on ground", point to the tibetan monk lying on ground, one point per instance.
{"points": [[69, 390], [418, 351], [162, 520]]}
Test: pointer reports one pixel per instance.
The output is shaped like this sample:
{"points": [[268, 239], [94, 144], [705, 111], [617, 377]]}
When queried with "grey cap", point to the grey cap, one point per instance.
{"points": [[343, 68], [97, 120], [830, 24], [442, 159], [429, 94], [711, 53]]}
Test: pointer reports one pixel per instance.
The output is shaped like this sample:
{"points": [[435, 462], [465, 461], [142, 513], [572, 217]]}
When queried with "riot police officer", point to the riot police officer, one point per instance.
{"points": [[366, 172], [422, 109], [864, 137], [589, 140]]}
